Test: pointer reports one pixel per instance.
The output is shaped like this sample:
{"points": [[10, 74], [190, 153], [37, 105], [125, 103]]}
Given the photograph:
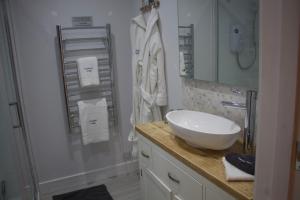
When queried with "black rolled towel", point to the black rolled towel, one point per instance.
{"points": [[246, 163]]}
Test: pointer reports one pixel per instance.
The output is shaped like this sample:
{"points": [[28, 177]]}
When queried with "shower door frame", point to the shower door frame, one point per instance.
{"points": [[8, 23]]}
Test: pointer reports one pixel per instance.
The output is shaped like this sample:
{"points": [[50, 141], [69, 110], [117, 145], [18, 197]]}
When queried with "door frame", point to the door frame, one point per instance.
{"points": [[279, 28], [296, 133]]}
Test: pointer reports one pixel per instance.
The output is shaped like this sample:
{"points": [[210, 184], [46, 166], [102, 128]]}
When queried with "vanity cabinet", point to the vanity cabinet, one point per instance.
{"points": [[151, 185], [163, 177], [155, 188], [182, 184]]}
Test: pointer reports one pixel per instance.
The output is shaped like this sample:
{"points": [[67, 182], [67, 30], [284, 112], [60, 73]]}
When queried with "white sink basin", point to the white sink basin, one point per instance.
{"points": [[203, 130]]}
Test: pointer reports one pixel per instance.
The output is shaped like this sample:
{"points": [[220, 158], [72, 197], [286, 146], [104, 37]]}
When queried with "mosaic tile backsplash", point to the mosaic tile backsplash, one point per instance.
{"points": [[206, 97]]}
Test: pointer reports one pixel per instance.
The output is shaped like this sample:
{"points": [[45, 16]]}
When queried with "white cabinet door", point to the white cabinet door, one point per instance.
{"points": [[164, 178], [183, 186], [145, 153], [145, 160], [211, 194], [155, 189], [142, 181]]}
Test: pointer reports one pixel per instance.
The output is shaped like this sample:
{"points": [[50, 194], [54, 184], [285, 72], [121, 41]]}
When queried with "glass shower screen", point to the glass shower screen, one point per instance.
{"points": [[16, 173]]}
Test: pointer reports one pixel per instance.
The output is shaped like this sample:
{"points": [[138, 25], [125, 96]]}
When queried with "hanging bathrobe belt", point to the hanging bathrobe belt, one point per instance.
{"points": [[149, 98]]}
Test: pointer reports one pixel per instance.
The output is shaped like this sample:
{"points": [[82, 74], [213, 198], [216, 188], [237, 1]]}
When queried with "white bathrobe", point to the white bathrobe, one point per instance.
{"points": [[148, 73], [153, 84], [137, 35]]}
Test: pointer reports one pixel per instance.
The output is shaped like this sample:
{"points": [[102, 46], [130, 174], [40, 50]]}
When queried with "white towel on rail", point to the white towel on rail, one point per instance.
{"points": [[88, 71], [93, 117], [182, 64]]}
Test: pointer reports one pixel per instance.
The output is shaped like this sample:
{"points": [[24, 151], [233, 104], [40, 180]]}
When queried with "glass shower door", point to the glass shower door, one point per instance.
{"points": [[8, 167], [16, 173]]}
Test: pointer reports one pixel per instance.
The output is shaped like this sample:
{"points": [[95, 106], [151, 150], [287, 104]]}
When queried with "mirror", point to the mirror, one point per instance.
{"points": [[218, 41]]}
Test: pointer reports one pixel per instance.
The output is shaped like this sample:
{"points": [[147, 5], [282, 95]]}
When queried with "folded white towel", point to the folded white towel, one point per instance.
{"points": [[88, 71], [234, 174], [182, 63], [93, 117]]}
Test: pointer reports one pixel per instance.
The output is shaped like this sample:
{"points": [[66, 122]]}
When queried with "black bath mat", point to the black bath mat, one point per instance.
{"points": [[93, 193]]}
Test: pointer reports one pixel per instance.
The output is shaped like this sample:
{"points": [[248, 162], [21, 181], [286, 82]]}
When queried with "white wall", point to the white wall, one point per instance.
{"points": [[279, 34], [169, 31], [57, 153]]}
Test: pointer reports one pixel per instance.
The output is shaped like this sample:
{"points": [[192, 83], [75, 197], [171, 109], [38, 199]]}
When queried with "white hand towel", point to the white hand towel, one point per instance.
{"points": [[88, 71], [182, 63], [93, 117], [234, 174]]}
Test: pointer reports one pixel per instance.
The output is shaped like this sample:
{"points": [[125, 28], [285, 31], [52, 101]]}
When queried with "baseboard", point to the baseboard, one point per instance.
{"points": [[111, 175]]}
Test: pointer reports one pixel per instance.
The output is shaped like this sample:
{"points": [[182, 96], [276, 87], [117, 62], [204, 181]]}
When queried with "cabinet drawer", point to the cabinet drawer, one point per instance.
{"points": [[145, 153], [183, 186], [211, 194], [155, 189]]}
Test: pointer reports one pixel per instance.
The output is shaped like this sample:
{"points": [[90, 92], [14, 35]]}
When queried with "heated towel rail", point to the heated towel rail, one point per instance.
{"points": [[186, 45], [76, 42]]}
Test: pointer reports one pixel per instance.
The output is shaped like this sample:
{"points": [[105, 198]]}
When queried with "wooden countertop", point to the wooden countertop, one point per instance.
{"points": [[207, 163]]}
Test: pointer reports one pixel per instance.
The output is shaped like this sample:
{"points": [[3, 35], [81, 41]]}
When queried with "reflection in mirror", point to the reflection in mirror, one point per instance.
{"points": [[218, 41]]}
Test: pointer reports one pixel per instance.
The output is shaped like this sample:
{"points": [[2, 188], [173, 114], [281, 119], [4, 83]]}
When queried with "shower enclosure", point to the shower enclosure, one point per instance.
{"points": [[17, 177]]}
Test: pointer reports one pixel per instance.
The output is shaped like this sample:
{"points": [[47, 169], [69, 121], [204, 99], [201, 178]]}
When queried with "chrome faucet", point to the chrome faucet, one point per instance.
{"points": [[250, 107]]}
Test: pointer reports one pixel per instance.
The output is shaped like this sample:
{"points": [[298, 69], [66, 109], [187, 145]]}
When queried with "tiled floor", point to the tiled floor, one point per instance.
{"points": [[126, 188]]}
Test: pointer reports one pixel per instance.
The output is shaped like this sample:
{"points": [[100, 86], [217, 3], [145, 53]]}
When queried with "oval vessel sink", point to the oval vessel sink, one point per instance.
{"points": [[203, 130]]}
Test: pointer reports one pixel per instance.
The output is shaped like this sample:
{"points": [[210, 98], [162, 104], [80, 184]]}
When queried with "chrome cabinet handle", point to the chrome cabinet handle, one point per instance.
{"points": [[173, 179], [145, 155], [15, 104]]}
